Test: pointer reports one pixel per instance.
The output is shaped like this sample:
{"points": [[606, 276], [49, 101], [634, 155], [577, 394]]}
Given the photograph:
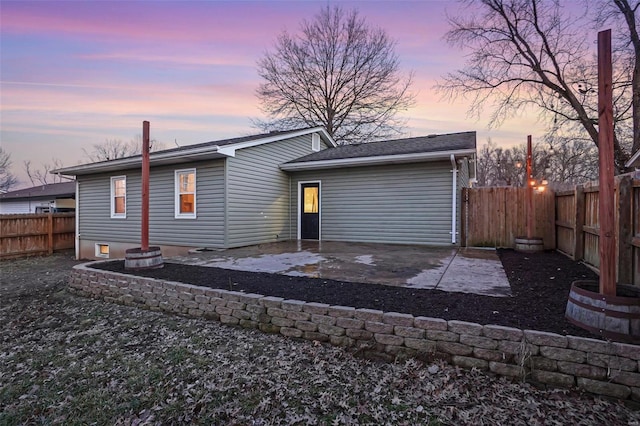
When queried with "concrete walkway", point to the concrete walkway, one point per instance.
{"points": [[464, 270]]}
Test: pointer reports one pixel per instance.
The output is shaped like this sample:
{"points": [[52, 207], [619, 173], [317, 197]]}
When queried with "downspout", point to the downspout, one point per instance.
{"points": [[77, 219], [454, 183], [474, 180]]}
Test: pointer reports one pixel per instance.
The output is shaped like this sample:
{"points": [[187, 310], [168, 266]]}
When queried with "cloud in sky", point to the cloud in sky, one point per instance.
{"points": [[77, 73]]}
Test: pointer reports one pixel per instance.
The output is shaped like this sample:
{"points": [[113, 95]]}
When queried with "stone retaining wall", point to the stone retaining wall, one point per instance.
{"points": [[600, 367]]}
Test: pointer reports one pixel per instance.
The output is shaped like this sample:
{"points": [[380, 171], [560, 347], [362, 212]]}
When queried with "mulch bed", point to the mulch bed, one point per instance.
{"points": [[539, 282]]}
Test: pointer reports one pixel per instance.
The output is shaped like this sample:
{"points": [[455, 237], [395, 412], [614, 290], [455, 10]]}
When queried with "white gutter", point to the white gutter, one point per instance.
{"points": [[77, 220], [454, 183], [381, 159]]}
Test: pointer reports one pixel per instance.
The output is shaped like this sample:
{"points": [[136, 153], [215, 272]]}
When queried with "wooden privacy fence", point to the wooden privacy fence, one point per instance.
{"points": [[494, 217], [577, 226], [31, 234]]}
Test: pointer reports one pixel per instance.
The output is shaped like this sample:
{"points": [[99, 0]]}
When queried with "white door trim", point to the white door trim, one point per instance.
{"points": [[299, 210]]}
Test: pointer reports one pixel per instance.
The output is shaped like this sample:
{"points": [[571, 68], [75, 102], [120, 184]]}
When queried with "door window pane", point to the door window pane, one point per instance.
{"points": [[310, 200]]}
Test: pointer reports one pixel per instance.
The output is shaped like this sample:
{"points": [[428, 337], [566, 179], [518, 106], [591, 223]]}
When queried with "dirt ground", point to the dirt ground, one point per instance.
{"points": [[540, 285], [71, 360]]}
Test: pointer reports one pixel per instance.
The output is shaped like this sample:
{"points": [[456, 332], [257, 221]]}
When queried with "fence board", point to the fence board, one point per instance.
{"points": [[582, 243], [497, 215], [566, 222], [30, 234]]}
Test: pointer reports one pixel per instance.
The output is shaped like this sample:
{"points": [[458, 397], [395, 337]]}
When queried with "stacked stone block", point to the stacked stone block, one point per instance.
{"points": [[600, 367]]}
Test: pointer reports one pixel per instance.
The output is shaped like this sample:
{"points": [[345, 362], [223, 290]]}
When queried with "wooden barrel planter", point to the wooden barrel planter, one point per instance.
{"points": [[613, 317], [529, 245], [137, 259]]}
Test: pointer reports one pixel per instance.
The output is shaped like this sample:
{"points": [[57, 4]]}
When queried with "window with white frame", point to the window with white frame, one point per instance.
{"points": [[102, 250], [186, 193], [118, 196]]}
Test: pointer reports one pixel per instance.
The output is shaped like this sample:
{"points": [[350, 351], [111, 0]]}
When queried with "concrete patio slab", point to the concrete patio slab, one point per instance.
{"points": [[476, 271]]}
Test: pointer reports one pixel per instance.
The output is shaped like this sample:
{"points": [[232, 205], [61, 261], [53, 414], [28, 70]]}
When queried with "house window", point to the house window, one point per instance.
{"points": [[186, 193], [315, 142], [119, 196], [102, 250]]}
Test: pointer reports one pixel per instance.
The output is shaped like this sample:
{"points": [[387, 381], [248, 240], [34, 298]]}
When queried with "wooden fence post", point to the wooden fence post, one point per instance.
{"points": [[50, 233], [578, 238], [625, 222]]}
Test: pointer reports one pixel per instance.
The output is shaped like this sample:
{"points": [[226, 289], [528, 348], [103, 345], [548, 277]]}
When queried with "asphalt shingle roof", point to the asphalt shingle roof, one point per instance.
{"points": [[50, 190], [431, 143], [222, 142]]}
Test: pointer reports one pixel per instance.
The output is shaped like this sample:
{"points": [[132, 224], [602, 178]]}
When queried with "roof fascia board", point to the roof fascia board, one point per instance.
{"points": [[38, 197], [382, 159]]}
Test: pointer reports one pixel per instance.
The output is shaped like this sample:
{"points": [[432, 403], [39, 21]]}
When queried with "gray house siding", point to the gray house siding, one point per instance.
{"points": [[95, 222], [207, 230], [258, 192], [17, 207], [407, 203]]}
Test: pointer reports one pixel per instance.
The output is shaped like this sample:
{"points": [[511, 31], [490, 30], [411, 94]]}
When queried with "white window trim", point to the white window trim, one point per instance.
{"points": [[315, 142], [176, 185], [300, 183], [115, 215]]}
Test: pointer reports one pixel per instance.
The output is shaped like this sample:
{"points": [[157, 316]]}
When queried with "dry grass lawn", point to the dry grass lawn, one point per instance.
{"points": [[70, 360]]}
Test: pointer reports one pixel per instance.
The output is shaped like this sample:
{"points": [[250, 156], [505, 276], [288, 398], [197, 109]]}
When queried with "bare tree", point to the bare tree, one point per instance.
{"points": [[560, 162], [529, 52], [7, 179], [339, 73], [42, 175], [500, 167], [117, 148], [570, 162]]}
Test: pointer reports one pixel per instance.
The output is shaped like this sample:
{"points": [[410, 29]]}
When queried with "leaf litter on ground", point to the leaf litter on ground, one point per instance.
{"points": [[70, 360]]}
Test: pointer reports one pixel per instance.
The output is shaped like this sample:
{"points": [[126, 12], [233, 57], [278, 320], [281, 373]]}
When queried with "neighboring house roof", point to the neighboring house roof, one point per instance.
{"points": [[634, 160], [423, 148], [203, 151], [52, 190]]}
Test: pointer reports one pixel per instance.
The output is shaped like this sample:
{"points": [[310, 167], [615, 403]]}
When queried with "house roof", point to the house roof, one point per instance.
{"points": [[202, 151], [634, 160], [52, 190], [422, 148]]}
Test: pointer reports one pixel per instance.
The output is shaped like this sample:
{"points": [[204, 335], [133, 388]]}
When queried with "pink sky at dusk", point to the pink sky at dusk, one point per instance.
{"points": [[74, 74]]}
